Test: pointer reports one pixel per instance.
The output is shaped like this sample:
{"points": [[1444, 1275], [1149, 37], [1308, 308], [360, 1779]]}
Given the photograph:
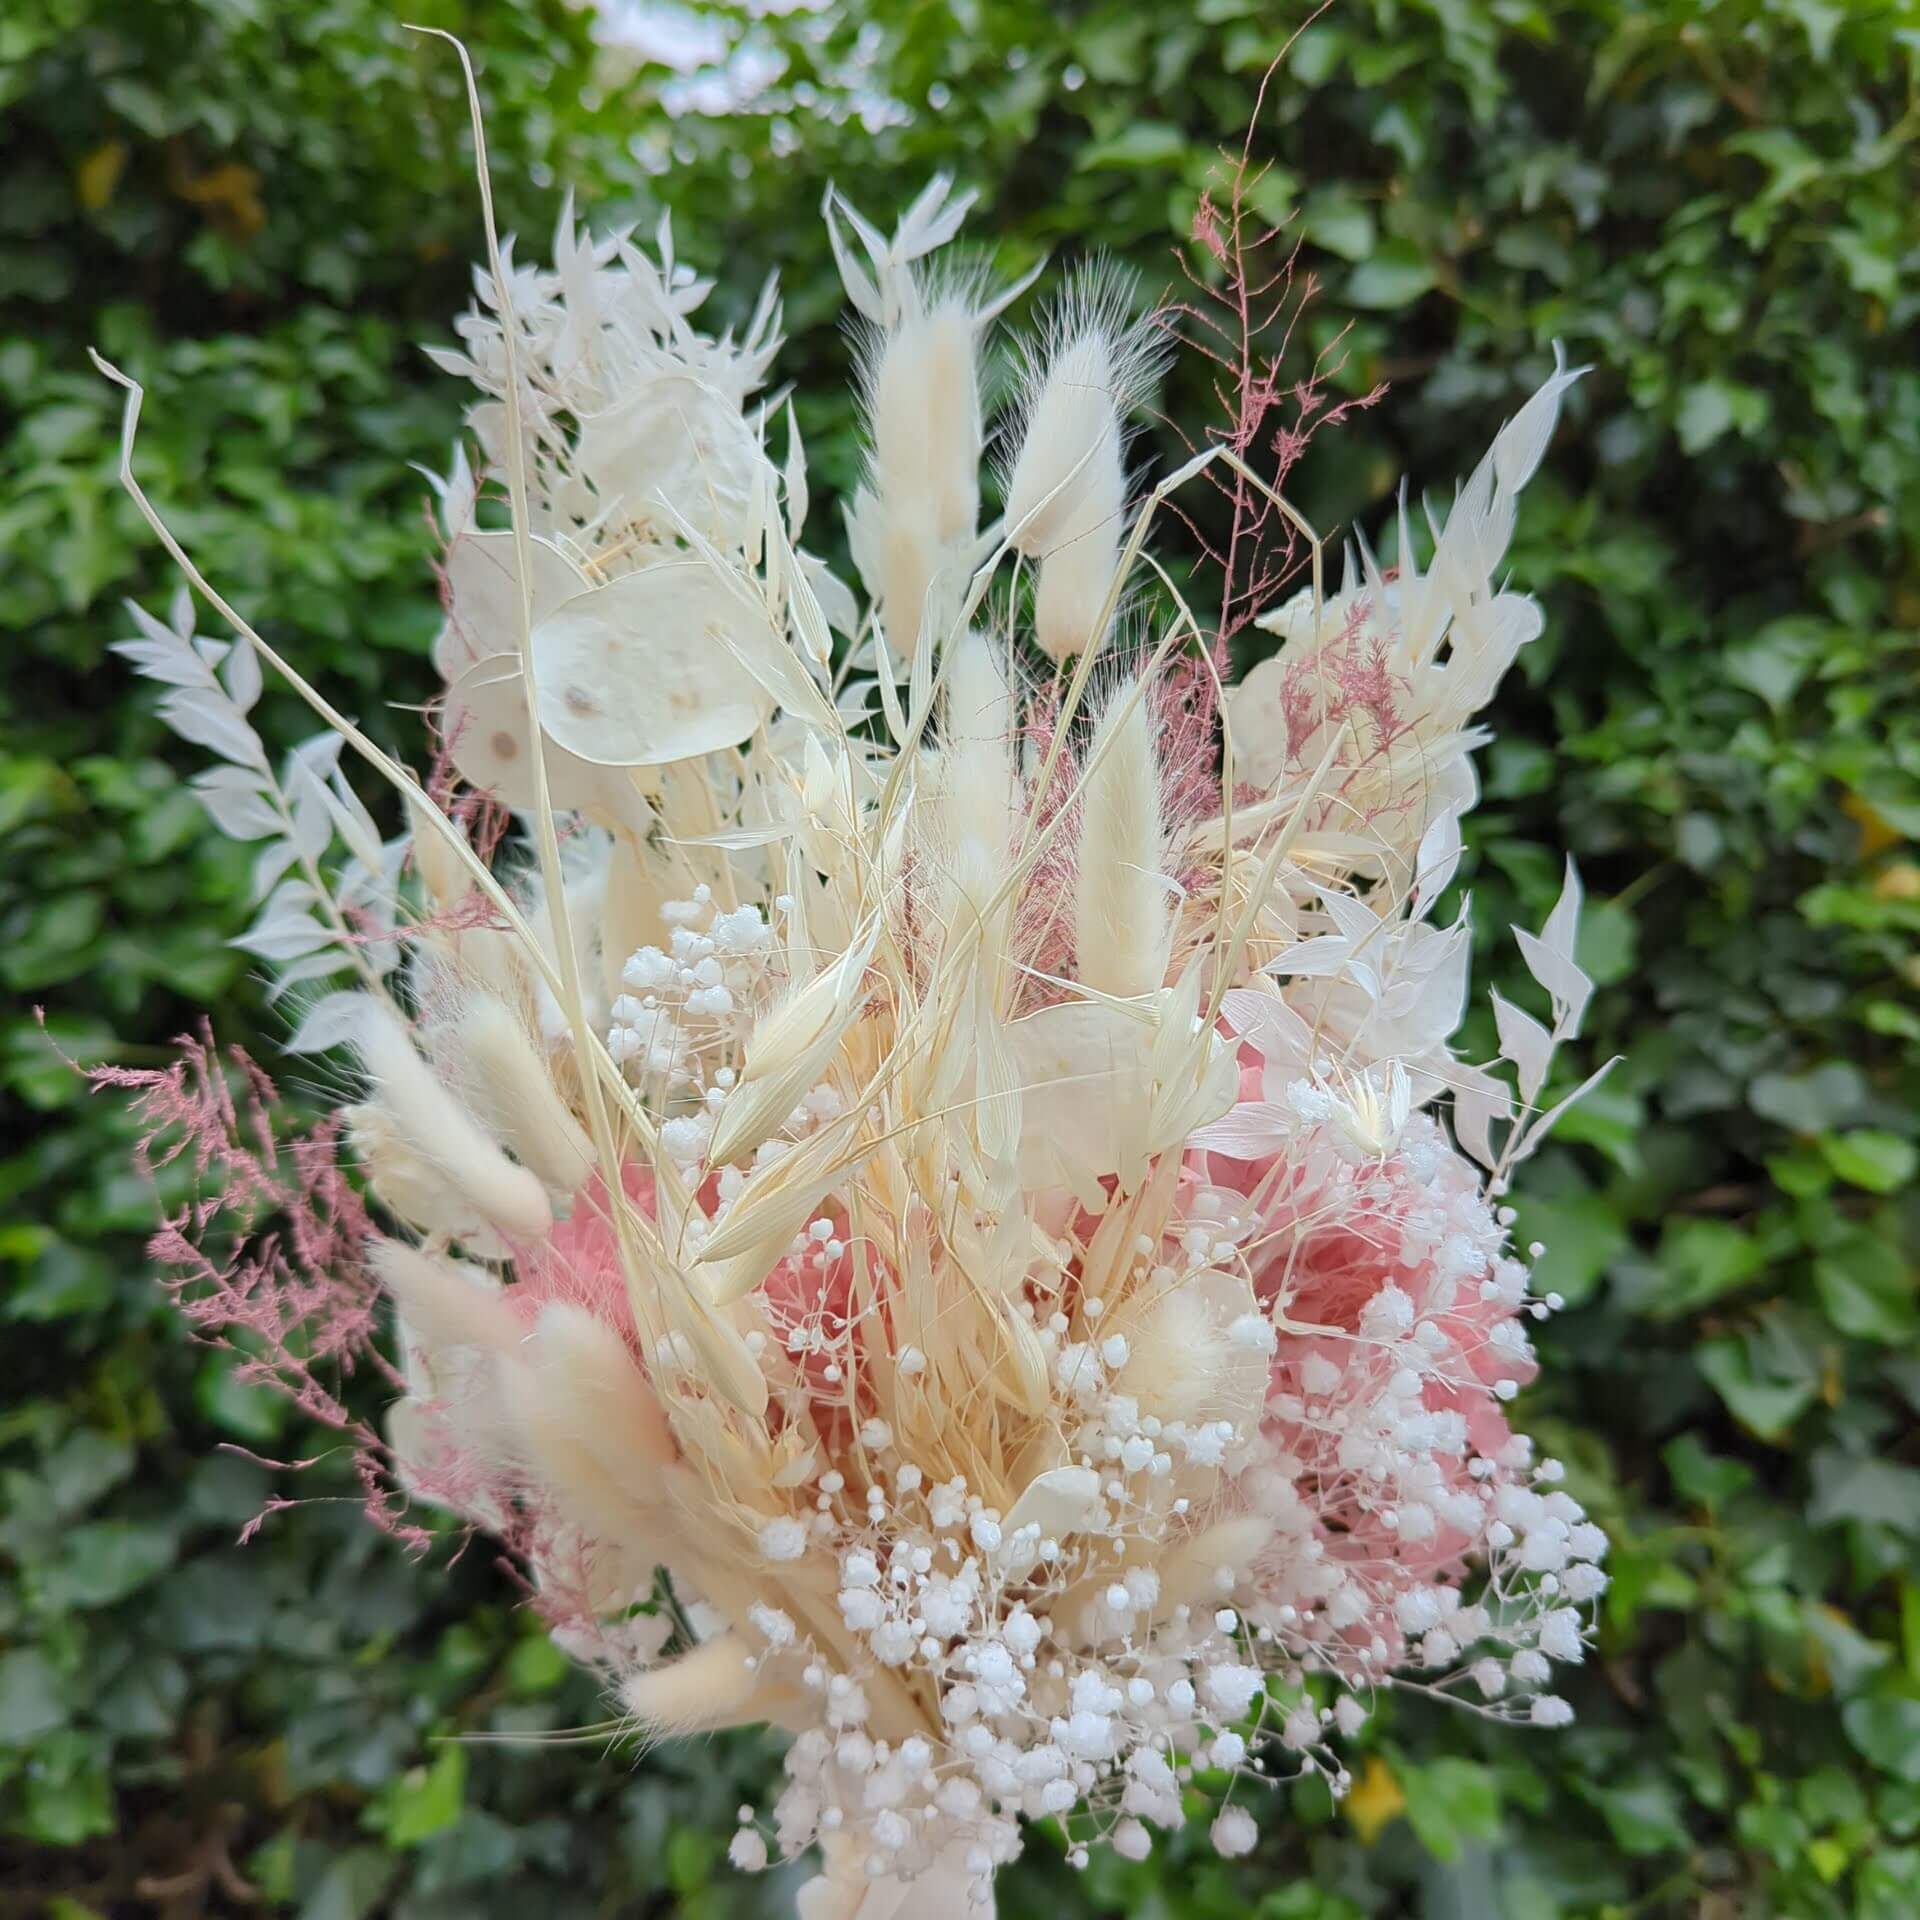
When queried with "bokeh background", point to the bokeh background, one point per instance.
{"points": [[260, 208]]}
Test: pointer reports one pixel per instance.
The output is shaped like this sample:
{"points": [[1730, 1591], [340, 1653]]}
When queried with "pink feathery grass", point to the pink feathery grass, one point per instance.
{"points": [[267, 1257], [1240, 313]]}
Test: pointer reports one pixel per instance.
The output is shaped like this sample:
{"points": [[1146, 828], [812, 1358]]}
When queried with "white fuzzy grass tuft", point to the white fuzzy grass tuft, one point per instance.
{"points": [[1123, 904], [439, 1131], [514, 1093], [1066, 488]]}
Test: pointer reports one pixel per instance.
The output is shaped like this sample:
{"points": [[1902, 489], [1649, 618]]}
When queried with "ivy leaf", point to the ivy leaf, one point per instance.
{"points": [[1337, 221], [1396, 275], [1146, 143], [32, 1700], [1760, 1398], [1449, 1803], [86, 1465], [1702, 1260], [1866, 1287], [1776, 660], [106, 1560], [353, 1887], [69, 1795], [1701, 1476], [1643, 1814], [1853, 1486], [1885, 1727], [1823, 1098], [1581, 1233], [1869, 1158], [1711, 408], [424, 1800]]}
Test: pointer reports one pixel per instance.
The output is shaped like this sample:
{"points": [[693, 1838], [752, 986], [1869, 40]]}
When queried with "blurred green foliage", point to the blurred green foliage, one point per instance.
{"points": [[257, 209]]}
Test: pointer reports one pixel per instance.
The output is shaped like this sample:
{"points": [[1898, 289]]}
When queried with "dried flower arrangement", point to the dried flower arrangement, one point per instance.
{"points": [[903, 1136]]}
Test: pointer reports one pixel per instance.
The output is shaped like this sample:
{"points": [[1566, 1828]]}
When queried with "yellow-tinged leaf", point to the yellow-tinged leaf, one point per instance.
{"points": [[1374, 1800], [1829, 1858], [95, 178], [230, 192], [1877, 834]]}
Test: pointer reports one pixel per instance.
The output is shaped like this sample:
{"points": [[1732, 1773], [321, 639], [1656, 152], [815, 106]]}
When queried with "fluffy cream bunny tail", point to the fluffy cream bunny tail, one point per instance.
{"points": [[978, 782], [711, 1686], [439, 1304], [1123, 922], [1067, 491], [442, 1132], [517, 1097], [616, 1406]]}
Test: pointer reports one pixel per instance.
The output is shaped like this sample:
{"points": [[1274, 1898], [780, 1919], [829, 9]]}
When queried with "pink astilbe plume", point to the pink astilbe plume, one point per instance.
{"points": [[267, 1257]]}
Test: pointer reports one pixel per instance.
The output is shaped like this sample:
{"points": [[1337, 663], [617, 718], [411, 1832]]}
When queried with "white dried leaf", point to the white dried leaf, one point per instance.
{"points": [[487, 737], [164, 660], [161, 653], [834, 595], [1550, 958], [331, 1021], [354, 822], [483, 596], [1567, 983], [1522, 443], [242, 677], [1480, 1100], [1525, 1042], [273, 861], [1438, 858], [1563, 923], [287, 937], [1536, 1134], [240, 802], [319, 753], [209, 720], [793, 479], [1250, 1130], [324, 963], [1267, 1024], [312, 819], [645, 671]]}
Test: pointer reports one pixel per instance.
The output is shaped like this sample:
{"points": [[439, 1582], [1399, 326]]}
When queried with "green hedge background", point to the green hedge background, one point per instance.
{"points": [[260, 208]]}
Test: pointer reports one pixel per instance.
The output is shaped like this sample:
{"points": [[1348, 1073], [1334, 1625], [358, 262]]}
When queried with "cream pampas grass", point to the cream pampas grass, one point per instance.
{"points": [[914, 1176]]}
